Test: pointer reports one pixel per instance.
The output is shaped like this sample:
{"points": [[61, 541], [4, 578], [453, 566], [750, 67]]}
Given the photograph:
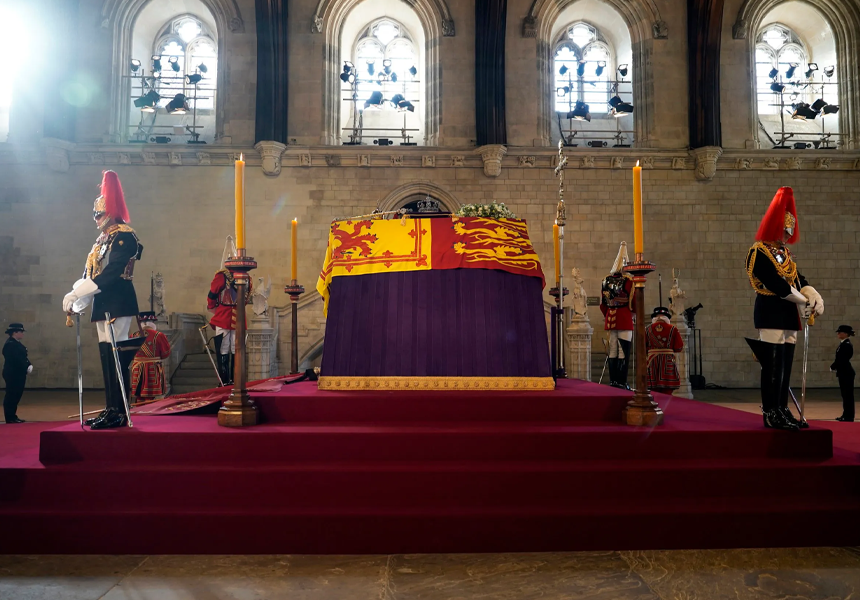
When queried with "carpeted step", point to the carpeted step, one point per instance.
{"points": [[727, 523], [537, 484], [198, 440]]}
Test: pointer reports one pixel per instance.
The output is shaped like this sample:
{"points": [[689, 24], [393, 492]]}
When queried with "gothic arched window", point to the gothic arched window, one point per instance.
{"points": [[173, 90], [381, 88], [794, 94], [583, 69]]}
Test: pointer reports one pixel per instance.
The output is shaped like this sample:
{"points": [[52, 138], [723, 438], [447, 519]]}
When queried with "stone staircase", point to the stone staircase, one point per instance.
{"points": [[194, 373]]}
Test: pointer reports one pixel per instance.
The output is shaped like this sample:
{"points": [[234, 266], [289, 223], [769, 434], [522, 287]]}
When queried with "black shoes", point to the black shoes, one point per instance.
{"points": [[113, 418], [92, 420], [843, 418], [776, 419], [15, 419]]}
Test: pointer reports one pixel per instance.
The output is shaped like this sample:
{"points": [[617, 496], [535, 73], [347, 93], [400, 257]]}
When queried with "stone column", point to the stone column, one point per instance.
{"points": [[683, 364], [579, 348]]}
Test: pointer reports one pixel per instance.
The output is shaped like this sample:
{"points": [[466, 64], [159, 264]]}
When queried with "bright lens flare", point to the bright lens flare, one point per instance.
{"points": [[13, 43]]}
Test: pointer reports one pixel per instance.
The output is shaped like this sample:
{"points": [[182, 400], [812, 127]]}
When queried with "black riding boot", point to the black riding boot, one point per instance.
{"points": [[771, 386], [116, 416], [612, 367], [787, 363], [109, 375], [623, 364], [224, 368]]}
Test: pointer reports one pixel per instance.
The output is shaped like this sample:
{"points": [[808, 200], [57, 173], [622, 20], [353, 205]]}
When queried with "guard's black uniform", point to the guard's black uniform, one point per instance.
{"points": [[110, 265], [845, 374], [15, 374], [764, 263]]}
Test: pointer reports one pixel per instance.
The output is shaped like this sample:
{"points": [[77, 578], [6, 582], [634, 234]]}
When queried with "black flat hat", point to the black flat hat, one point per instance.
{"points": [[15, 327], [845, 329]]}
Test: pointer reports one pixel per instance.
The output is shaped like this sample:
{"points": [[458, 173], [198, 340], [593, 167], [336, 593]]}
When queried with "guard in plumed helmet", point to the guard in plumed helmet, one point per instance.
{"points": [[783, 298], [147, 372], [616, 304], [662, 341], [221, 302], [107, 284]]}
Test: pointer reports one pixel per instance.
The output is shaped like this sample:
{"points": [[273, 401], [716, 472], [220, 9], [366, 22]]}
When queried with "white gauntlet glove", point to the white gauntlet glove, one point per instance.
{"points": [[796, 297], [29, 369], [816, 303], [80, 296]]}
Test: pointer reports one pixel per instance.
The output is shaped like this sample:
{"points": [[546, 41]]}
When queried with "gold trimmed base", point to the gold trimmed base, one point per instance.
{"points": [[513, 384]]}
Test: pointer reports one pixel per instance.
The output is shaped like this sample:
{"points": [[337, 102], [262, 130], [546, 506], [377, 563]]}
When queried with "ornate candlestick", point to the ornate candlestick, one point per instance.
{"points": [[239, 410], [559, 292], [294, 290], [642, 410]]}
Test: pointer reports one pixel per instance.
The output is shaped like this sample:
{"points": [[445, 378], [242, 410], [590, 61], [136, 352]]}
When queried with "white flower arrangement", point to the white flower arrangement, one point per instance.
{"points": [[494, 210]]}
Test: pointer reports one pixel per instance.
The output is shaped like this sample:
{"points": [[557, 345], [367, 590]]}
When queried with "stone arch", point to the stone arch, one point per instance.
{"points": [[119, 16], [844, 21], [397, 197], [436, 21], [644, 24]]}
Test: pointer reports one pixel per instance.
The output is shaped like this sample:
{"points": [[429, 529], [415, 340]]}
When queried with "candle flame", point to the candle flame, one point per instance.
{"points": [[295, 219], [242, 156], [556, 221], [637, 163]]}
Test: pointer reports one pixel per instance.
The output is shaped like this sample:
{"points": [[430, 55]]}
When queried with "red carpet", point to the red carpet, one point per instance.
{"points": [[364, 472]]}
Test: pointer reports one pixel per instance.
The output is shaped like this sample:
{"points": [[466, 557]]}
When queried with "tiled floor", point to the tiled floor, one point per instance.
{"points": [[807, 573]]}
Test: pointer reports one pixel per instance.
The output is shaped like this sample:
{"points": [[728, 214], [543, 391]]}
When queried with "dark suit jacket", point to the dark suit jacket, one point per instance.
{"points": [[842, 364], [15, 355]]}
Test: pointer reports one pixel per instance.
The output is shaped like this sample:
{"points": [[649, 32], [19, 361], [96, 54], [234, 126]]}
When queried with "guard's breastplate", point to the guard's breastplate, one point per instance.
{"points": [[99, 256], [227, 296], [614, 291]]}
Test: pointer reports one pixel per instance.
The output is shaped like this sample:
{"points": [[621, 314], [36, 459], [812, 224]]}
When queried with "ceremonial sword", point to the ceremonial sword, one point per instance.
{"points": [[80, 362], [806, 324], [209, 354]]}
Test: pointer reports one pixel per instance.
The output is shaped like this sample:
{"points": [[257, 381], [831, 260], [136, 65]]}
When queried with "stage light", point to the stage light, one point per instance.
{"points": [[580, 112], [156, 63], [562, 70], [402, 103], [580, 69], [173, 61], [601, 65], [386, 66], [777, 87], [622, 70], [203, 68], [802, 111], [818, 105], [375, 99], [619, 107], [562, 91], [828, 71], [773, 73], [394, 77], [344, 77], [371, 67], [831, 109], [177, 106], [194, 79], [791, 69], [134, 65], [148, 102], [413, 71], [811, 68]]}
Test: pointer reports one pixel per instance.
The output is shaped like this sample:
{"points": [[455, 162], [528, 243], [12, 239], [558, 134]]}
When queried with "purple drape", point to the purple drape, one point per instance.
{"points": [[454, 323]]}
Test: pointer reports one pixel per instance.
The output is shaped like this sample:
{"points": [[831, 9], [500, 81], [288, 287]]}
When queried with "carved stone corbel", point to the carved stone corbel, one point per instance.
{"points": [[739, 30], [706, 161], [448, 28], [270, 153], [530, 27], [492, 155], [660, 30]]}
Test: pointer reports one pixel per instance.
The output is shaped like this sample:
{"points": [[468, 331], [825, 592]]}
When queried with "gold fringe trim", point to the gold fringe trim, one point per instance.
{"points": [[513, 384]]}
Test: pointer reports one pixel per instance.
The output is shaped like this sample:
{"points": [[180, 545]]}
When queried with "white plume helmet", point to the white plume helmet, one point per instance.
{"points": [[229, 250], [621, 259]]}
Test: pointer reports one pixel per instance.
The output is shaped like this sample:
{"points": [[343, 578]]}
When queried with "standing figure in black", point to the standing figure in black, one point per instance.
{"points": [[845, 372], [783, 297], [107, 283], [15, 370]]}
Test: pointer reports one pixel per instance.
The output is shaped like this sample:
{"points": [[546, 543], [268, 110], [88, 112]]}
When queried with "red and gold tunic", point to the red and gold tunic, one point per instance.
{"points": [[662, 340], [147, 374], [222, 299], [616, 303]]}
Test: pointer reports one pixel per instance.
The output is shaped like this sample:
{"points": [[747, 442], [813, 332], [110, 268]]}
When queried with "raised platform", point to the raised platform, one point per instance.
{"points": [[364, 472]]}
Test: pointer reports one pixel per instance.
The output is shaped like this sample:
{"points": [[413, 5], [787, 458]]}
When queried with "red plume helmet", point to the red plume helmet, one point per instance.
{"points": [[780, 215], [114, 200]]}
